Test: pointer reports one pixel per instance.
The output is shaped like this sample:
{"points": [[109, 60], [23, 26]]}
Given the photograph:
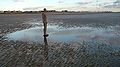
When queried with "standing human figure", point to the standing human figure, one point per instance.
{"points": [[44, 18]]}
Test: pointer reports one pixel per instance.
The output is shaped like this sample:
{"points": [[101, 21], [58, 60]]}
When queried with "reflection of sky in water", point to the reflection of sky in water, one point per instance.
{"points": [[60, 34]]}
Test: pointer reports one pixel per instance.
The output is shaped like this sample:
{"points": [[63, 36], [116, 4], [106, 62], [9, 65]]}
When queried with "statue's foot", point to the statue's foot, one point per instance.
{"points": [[46, 35]]}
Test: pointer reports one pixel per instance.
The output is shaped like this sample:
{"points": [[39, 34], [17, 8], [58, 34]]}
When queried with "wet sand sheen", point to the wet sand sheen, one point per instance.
{"points": [[60, 34]]}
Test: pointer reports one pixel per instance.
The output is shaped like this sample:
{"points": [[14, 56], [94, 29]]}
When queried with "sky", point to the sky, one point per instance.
{"points": [[72, 5]]}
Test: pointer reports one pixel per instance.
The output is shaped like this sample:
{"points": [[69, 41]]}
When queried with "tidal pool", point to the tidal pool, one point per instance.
{"points": [[59, 33]]}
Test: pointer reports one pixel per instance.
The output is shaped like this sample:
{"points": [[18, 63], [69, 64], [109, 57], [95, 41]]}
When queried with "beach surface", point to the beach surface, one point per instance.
{"points": [[76, 40]]}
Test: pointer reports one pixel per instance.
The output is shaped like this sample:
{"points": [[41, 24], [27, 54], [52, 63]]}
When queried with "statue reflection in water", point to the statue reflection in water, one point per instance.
{"points": [[45, 48]]}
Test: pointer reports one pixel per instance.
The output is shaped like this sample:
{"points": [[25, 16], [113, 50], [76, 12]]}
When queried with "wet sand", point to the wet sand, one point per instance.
{"points": [[98, 52]]}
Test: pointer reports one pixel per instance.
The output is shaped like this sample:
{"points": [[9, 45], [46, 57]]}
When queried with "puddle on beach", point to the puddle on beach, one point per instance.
{"points": [[58, 33]]}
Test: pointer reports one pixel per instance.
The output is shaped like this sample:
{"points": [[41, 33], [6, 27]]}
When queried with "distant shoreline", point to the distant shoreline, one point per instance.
{"points": [[57, 13]]}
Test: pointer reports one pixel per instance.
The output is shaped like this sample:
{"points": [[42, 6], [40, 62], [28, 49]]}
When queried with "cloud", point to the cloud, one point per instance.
{"points": [[38, 8], [18, 0], [83, 3], [115, 4], [117, 1], [60, 1], [112, 6]]}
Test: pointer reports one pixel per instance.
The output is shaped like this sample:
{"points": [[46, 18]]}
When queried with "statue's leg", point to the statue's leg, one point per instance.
{"points": [[44, 29]]}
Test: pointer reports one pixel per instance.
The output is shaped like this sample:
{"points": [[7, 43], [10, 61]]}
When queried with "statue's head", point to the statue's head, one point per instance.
{"points": [[44, 9]]}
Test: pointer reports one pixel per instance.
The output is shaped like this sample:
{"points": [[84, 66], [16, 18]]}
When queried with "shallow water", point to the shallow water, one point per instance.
{"points": [[59, 33], [102, 28]]}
